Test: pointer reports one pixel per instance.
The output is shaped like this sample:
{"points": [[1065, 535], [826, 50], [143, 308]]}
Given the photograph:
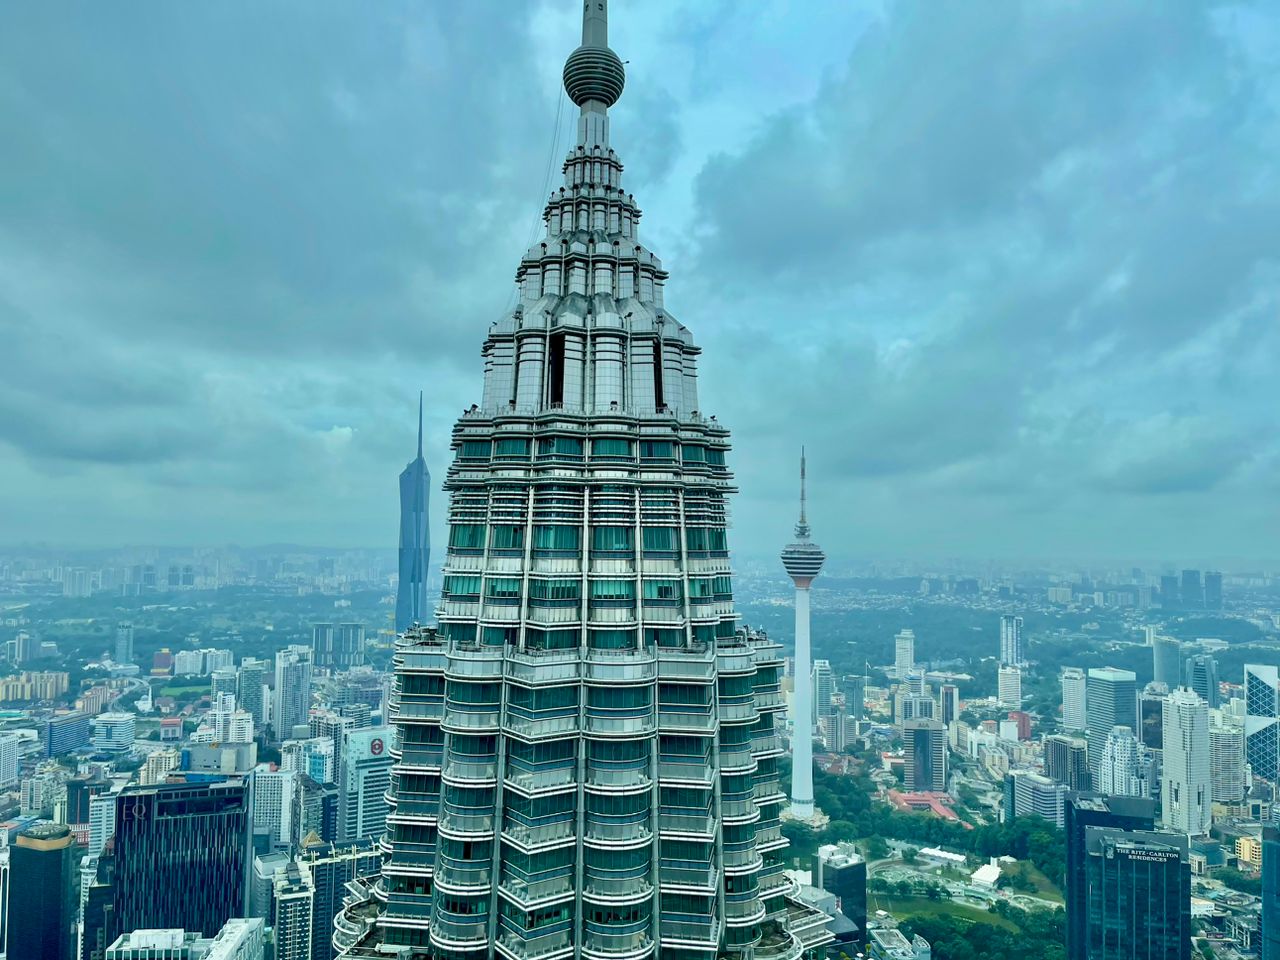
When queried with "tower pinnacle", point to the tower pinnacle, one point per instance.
{"points": [[419, 424], [803, 558], [594, 75]]}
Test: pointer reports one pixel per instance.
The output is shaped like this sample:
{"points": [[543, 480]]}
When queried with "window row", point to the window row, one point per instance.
{"points": [[573, 448]]}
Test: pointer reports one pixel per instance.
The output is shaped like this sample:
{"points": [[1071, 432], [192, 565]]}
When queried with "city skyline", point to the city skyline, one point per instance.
{"points": [[1115, 418]]}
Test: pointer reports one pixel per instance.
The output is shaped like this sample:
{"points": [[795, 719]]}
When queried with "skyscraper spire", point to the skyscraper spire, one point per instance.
{"points": [[594, 75], [419, 424]]}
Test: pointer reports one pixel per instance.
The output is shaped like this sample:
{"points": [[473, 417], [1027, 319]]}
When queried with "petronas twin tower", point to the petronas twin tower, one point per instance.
{"points": [[586, 757]]}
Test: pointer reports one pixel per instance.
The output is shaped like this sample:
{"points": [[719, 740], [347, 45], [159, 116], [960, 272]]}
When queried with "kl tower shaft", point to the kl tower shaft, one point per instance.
{"points": [[803, 561]]}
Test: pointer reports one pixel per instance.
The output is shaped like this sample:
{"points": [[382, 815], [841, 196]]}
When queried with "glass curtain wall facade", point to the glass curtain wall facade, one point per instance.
{"points": [[585, 756]]}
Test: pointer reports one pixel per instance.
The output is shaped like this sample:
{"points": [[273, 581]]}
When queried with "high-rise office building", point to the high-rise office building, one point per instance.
{"points": [[238, 939], [292, 695], [803, 561], [337, 646], [182, 856], [588, 728], [113, 732], [1137, 895], [1084, 811], [314, 757], [308, 894], [65, 733], [274, 797], [222, 681], [1270, 894], [824, 688], [1212, 590], [1169, 598], [1111, 700], [1009, 687], [904, 653], [839, 869], [949, 695], [10, 757], [1202, 677], [1150, 731], [1122, 769], [41, 898], [292, 914], [1185, 791], [855, 695], [415, 539], [1226, 758], [124, 643], [1073, 699], [924, 754], [1166, 661], [1066, 760], [1012, 650], [1191, 591], [251, 681], [364, 776], [1029, 794], [1262, 719]]}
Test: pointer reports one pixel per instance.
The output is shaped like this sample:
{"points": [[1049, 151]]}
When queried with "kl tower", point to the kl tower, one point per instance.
{"points": [[803, 560]]}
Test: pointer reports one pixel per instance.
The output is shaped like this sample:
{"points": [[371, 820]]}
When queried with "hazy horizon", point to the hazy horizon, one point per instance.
{"points": [[1010, 274]]}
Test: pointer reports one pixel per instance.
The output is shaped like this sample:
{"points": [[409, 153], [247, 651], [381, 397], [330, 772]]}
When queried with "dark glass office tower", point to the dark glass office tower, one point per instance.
{"points": [[415, 539], [1066, 760], [1083, 811], [41, 907], [1202, 677], [1138, 895], [1270, 893], [182, 856]]}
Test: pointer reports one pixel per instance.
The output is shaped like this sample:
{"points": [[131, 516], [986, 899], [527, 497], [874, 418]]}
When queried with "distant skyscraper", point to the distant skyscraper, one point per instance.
{"points": [[824, 688], [1262, 719], [182, 855], [113, 732], [1166, 657], [1082, 812], [803, 561], [274, 793], [251, 680], [904, 653], [1169, 598], [1073, 699], [1122, 769], [415, 539], [1185, 791], [1226, 759], [124, 643], [855, 696], [1012, 650], [924, 755], [41, 899], [1137, 895], [1270, 893], [1009, 687], [365, 774], [1202, 677], [949, 694], [1111, 700], [1212, 590], [1066, 760], [1192, 592], [1029, 794], [292, 697]]}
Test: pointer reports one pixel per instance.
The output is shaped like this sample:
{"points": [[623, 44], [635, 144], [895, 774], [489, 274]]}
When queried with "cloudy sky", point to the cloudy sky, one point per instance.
{"points": [[1010, 270]]}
